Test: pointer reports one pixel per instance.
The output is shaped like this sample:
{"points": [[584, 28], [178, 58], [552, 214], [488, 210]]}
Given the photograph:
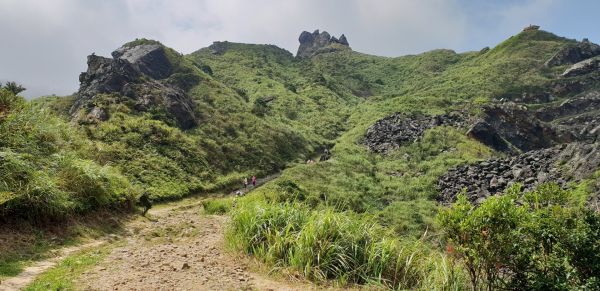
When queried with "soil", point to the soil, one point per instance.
{"points": [[175, 247], [178, 249]]}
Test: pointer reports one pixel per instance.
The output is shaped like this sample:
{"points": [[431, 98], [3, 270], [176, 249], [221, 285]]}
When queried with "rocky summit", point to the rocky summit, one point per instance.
{"points": [[319, 42], [137, 72]]}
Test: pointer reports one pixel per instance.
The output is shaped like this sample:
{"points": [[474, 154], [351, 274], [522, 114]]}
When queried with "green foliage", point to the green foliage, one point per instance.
{"points": [[141, 41], [47, 172], [63, 276], [13, 87], [217, 206], [328, 245], [8, 102], [545, 242]]}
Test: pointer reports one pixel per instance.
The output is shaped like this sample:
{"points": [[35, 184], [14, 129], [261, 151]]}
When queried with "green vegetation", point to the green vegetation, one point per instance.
{"points": [[217, 206], [62, 277], [329, 245], [358, 217], [47, 171], [545, 242]]}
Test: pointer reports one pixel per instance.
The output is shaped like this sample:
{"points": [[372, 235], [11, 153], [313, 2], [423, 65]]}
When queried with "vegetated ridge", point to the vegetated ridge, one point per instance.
{"points": [[402, 135]]}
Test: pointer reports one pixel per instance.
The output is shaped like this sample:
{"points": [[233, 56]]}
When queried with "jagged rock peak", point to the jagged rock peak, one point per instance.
{"points": [[317, 42], [139, 71]]}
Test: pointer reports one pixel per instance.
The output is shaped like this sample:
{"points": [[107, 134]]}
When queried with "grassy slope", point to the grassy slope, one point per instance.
{"points": [[400, 187], [260, 110]]}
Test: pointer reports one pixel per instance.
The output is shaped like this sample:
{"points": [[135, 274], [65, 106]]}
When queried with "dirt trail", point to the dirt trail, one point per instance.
{"points": [[178, 249], [30, 273]]}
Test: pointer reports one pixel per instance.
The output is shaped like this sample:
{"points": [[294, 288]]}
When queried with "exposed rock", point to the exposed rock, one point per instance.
{"points": [[316, 42], [122, 75], [149, 59], [574, 53], [104, 75], [560, 164], [488, 135], [219, 47], [397, 129], [518, 126], [583, 67]]}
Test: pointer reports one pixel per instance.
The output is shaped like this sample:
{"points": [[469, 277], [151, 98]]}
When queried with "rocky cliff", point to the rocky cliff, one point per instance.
{"points": [[319, 42], [139, 74], [555, 139]]}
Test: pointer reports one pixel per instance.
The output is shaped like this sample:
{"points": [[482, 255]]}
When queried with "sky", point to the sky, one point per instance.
{"points": [[44, 44]]}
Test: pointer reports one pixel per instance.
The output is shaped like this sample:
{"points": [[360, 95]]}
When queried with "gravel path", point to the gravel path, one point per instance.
{"points": [[178, 249]]}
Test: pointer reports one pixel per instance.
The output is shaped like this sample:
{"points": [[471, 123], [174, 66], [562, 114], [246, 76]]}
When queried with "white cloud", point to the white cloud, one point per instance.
{"points": [[45, 43]]}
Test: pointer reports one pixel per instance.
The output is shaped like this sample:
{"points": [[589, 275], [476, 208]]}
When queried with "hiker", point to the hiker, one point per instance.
{"points": [[245, 182], [253, 181], [145, 201]]}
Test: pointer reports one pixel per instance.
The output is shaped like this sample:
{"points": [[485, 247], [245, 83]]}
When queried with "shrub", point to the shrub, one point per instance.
{"points": [[543, 242], [217, 206]]}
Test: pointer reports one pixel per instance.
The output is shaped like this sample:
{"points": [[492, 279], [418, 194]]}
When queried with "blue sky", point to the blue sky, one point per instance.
{"points": [[45, 43]]}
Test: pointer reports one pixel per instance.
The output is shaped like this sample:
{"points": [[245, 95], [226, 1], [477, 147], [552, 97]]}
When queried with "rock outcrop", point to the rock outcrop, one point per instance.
{"points": [[518, 128], [397, 129], [138, 73], [574, 53], [319, 42], [560, 164], [150, 59], [582, 68]]}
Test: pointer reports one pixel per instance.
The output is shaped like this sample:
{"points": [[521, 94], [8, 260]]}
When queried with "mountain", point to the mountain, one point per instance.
{"points": [[395, 140]]}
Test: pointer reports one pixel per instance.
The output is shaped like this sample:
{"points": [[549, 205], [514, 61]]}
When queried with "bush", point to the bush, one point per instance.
{"points": [[217, 206], [536, 240]]}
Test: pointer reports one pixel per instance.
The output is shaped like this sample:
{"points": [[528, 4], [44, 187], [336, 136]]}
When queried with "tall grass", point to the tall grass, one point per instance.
{"points": [[46, 171], [328, 245]]}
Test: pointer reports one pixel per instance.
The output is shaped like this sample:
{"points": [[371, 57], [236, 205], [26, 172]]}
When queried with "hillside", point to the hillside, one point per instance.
{"points": [[375, 153]]}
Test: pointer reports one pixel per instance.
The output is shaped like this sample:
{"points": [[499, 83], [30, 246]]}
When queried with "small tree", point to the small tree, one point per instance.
{"points": [[14, 87]]}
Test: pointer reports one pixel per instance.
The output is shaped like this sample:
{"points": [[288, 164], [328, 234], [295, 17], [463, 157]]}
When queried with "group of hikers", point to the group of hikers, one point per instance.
{"points": [[245, 184]]}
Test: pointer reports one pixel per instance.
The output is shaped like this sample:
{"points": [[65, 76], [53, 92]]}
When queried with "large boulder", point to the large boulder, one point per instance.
{"points": [[582, 68], [138, 73], [487, 134], [574, 53], [318, 42], [148, 59]]}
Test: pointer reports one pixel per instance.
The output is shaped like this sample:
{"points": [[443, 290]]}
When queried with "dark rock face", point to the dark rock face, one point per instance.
{"points": [[316, 42], [519, 127], [149, 59], [574, 53], [584, 67], [560, 164], [395, 130], [488, 135], [123, 75], [105, 75]]}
